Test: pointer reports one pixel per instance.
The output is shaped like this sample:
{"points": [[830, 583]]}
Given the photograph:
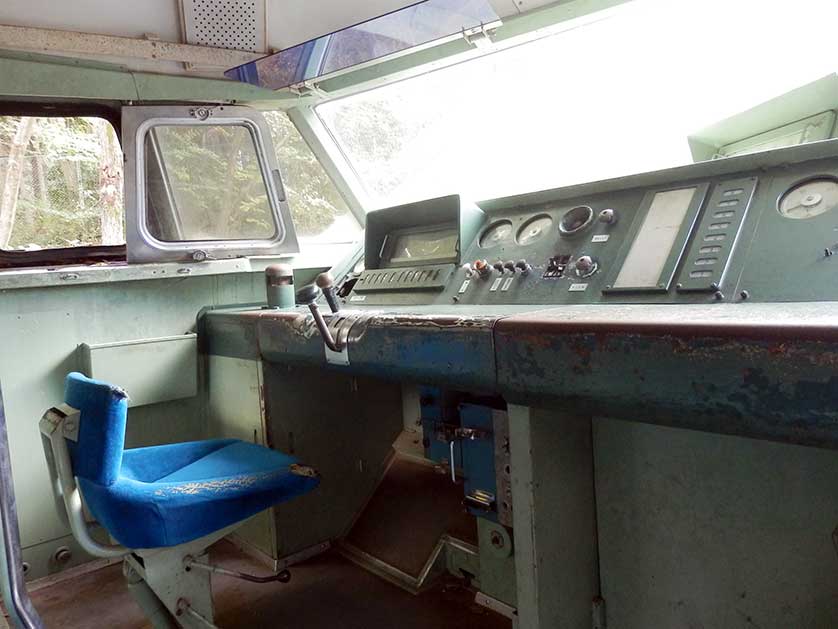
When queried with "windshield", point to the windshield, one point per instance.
{"points": [[612, 97]]}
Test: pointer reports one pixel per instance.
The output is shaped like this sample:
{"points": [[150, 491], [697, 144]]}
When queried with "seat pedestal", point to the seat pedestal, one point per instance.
{"points": [[164, 571]]}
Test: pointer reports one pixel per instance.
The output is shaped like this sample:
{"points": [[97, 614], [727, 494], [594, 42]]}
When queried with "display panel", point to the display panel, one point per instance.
{"points": [[653, 244], [438, 244]]}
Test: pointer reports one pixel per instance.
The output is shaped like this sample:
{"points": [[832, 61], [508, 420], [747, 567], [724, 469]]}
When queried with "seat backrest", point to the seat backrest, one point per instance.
{"points": [[97, 455]]}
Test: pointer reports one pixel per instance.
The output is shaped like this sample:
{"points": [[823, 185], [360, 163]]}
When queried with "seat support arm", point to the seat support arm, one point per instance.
{"points": [[57, 425]]}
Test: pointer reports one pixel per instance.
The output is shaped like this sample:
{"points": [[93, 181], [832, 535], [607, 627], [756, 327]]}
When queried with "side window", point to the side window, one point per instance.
{"points": [[210, 181], [61, 182], [203, 183], [320, 214]]}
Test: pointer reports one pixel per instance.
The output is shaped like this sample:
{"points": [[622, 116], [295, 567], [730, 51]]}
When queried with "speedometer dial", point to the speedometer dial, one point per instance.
{"points": [[810, 198], [496, 234]]}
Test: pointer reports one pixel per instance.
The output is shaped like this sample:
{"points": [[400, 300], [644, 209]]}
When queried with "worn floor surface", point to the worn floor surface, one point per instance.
{"points": [[411, 497], [325, 592]]}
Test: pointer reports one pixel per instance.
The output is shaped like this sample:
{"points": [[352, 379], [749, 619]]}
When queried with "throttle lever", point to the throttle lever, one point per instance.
{"points": [[307, 296]]}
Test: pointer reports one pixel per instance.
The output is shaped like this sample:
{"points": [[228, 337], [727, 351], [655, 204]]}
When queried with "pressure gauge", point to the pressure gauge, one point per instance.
{"points": [[810, 198], [534, 229], [496, 234]]}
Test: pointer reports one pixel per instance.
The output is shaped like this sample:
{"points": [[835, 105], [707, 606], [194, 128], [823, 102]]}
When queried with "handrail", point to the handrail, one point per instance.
{"points": [[21, 611]]}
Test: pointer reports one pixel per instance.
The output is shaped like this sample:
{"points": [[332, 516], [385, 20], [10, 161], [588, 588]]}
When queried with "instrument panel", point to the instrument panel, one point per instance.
{"points": [[760, 227]]}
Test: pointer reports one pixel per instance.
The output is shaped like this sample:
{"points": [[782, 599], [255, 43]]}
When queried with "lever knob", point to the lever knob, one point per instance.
{"points": [[326, 283], [308, 294], [509, 266], [498, 266], [325, 280]]}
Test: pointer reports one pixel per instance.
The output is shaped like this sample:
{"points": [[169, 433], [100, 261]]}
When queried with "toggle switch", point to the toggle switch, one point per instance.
{"points": [[523, 266]]}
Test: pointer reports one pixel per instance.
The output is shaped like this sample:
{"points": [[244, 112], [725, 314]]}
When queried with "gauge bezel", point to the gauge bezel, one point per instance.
{"points": [[801, 182], [583, 226], [495, 225], [530, 221]]}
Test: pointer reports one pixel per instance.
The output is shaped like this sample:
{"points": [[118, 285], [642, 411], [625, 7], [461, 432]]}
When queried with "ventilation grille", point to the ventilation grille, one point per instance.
{"points": [[233, 24]]}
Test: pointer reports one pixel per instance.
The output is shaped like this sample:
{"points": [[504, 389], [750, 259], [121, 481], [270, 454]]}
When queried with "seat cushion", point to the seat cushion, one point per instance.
{"points": [[214, 484]]}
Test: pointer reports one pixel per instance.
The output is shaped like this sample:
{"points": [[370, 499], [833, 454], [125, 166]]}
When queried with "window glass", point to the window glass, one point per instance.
{"points": [[204, 182], [617, 95], [320, 214], [60, 183]]}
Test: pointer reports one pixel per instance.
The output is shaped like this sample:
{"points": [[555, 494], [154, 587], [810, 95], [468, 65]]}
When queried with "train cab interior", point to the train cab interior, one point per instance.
{"points": [[515, 314]]}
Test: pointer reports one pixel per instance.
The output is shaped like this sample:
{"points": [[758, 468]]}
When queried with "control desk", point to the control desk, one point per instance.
{"points": [[703, 296]]}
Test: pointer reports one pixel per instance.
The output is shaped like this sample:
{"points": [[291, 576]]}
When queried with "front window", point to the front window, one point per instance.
{"points": [[609, 98], [320, 214]]}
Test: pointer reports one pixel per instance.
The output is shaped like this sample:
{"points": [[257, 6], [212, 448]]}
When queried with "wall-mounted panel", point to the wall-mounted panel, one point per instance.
{"points": [[150, 370]]}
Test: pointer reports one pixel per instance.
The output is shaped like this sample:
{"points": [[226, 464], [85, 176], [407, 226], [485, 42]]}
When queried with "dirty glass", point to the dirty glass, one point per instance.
{"points": [[613, 94], [60, 183], [205, 182]]}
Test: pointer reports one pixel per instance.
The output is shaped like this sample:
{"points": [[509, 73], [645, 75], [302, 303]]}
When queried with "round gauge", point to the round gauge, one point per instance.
{"points": [[575, 220], [496, 234], [810, 198], [534, 229]]}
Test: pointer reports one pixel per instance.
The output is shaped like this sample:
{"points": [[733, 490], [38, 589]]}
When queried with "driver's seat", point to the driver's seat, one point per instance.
{"points": [[164, 505]]}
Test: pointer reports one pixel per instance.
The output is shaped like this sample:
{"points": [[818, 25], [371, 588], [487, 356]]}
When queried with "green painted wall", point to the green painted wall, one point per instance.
{"points": [[40, 329]]}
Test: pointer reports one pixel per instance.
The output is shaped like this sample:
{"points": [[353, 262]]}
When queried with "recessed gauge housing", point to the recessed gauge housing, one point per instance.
{"points": [[809, 198], [575, 220]]}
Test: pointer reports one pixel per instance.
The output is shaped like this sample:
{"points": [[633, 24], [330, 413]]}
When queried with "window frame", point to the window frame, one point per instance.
{"points": [[65, 256], [137, 122]]}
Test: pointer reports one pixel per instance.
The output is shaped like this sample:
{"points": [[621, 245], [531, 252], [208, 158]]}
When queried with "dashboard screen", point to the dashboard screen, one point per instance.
{"points": [[421, 247], [650, 250]]}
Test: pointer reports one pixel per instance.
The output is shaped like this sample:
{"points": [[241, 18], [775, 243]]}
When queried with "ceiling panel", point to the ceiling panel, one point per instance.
{"points": [[106, 17]]}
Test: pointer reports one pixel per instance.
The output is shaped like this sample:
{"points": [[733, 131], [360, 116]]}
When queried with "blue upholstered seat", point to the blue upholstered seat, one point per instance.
{"points": [[167, 495]]}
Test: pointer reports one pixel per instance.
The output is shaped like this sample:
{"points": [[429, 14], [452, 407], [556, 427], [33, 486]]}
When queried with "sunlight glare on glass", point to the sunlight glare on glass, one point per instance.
{"points": [[609, 98]]}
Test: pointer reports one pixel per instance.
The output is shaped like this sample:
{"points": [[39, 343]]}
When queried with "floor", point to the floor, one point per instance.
{"points": [[325, 592], [412, 497]]}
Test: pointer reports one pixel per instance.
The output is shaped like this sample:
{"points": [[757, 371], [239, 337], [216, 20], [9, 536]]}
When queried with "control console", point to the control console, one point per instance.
{"points": [[759, 227]]}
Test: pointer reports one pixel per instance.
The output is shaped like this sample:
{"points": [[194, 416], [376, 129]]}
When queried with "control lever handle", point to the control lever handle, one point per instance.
{"points": [[326, 283], [307, 296]]}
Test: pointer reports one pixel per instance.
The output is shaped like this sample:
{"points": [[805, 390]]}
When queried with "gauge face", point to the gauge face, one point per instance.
{"points": [[575, 220], [809, 199], [359, 266], [534, 229], [496, 234]]}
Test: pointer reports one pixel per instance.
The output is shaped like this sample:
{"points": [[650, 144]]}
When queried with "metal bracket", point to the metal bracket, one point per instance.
{"points": [[308, 88], [481, 36]]}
